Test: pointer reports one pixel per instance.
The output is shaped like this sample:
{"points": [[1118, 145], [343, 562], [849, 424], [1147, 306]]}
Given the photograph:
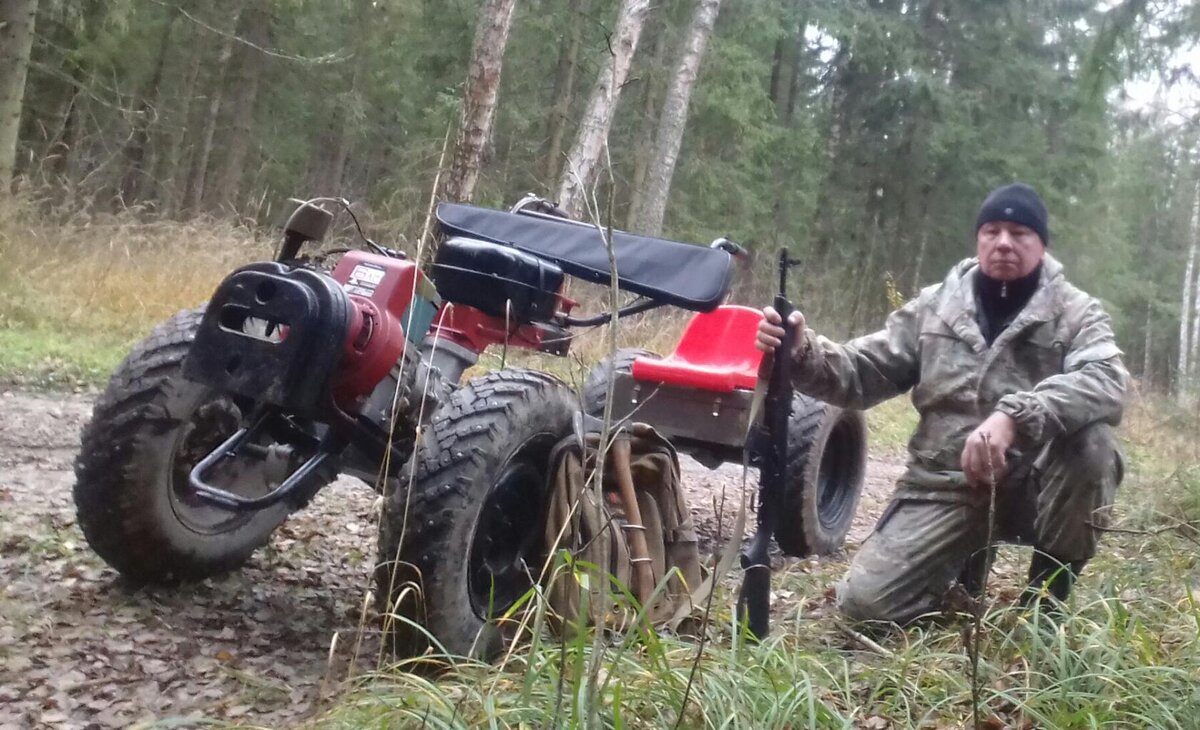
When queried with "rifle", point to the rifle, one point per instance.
{"points": [[771, 439]]}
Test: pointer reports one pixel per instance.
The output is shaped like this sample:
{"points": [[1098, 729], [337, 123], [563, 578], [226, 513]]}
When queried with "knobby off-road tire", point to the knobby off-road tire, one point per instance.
{"points": [[148, 429], [827, 464], [595, 386], [469, 531]]}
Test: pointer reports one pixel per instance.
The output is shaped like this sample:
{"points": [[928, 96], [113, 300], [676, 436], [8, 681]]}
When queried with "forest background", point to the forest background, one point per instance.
{"points": [[861, 135]]}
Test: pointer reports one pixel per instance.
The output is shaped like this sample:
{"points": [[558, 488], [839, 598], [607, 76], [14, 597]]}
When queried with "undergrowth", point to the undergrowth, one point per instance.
{"points": [[1123, 653]]}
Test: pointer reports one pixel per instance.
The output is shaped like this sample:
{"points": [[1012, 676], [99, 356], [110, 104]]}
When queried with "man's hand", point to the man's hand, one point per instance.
{"points": [[770, 332], [993, 437]]}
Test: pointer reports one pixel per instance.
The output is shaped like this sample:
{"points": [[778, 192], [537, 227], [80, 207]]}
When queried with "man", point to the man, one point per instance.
{"points": [[1016, 376]]}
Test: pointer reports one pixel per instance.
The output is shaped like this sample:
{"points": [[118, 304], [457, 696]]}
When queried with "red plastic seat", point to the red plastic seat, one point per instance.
{"points": [[716, 353]]}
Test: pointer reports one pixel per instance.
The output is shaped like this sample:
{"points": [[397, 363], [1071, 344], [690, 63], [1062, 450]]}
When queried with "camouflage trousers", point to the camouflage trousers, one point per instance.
{"points": [[1051, 501]]}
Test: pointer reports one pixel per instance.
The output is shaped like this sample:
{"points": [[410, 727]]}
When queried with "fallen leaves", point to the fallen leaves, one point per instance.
{"points": [[79, 648]]}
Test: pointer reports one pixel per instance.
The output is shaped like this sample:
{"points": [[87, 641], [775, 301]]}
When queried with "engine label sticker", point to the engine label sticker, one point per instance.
{"points": [[365, 279]]}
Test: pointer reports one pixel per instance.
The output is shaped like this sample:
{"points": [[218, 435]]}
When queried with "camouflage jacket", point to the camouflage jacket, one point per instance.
{"points": [[1055, 369]]}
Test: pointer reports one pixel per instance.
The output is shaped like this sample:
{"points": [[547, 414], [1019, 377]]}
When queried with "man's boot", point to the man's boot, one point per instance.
{"points": [[1054, 576], [974, 571]]}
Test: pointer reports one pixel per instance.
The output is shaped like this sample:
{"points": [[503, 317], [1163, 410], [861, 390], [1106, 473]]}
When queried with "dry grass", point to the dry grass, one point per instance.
{"points": [[75, 294]]}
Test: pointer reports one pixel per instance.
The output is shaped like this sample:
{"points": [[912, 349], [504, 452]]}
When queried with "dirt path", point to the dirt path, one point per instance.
{"points": [[79, 648]]}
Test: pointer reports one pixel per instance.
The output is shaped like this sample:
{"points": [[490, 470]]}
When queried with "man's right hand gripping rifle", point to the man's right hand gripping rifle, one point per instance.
{"points": [[770, 333]]}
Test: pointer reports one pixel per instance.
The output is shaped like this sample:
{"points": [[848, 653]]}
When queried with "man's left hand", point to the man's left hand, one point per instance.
{"points": [[983, 455]]}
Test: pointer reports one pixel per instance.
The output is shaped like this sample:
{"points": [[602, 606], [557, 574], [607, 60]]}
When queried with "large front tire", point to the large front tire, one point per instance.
{"points": [[148, 429], [468, 531]]}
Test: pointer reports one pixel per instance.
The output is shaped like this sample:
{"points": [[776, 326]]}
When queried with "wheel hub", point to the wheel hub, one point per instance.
{"points": [[251, 474], [504, 551]]}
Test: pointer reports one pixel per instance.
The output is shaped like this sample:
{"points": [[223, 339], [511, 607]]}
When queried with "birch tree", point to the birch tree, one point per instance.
{"points": [[479, 98], [17, 19], [1185, 310], [580, 167], [673, 121], [1194, 344]]}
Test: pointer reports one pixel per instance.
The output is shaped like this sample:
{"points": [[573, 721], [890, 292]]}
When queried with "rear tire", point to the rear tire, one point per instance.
{"points": [[827, 463], [148, 429], [595, 386], [469, 532]]}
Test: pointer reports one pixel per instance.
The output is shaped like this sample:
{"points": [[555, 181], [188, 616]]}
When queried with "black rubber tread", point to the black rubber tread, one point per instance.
{"points": [[595, 386], [818, 433], [466, 445], [121, 490]]}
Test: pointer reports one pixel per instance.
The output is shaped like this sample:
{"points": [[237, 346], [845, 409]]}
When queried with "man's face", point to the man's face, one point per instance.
{"points": [[1008, 250]]}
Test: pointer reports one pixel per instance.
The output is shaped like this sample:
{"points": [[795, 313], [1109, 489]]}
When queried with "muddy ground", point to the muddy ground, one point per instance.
{"points": [[267, 645]]}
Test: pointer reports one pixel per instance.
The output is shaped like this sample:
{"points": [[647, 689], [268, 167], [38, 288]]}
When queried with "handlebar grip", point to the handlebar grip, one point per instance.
{"points": [[731, 247]]}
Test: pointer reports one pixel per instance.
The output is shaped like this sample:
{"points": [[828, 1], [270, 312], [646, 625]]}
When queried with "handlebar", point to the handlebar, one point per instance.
{"points": [[732, 247]]}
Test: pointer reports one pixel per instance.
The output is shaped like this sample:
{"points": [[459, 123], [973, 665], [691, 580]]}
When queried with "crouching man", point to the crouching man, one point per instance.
{"points": [[1016, 376]]}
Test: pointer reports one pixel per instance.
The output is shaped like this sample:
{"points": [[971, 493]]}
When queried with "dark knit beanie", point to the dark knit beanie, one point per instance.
{"points": [[1017, 203]]}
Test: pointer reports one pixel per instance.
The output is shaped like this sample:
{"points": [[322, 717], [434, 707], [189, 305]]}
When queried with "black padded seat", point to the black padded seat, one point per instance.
{"points": [[680, 274]]}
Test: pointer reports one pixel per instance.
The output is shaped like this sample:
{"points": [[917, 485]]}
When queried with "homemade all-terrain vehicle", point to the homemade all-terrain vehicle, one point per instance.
{"points": [[228, 417]]}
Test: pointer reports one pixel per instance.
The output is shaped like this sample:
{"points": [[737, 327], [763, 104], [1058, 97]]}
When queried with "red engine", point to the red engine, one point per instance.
{"points": [[392, 306]]}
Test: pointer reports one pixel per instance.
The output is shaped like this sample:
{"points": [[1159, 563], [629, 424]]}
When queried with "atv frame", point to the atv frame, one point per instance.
{"points": [[228, 418]]}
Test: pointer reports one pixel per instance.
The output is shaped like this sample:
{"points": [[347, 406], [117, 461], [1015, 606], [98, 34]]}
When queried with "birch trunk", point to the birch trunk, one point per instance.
{"points": [[1147, 349], [1185, 310], [1194, 344], [17, 18], [921, 244], [479, 98], [582, 160], [673, 121]]}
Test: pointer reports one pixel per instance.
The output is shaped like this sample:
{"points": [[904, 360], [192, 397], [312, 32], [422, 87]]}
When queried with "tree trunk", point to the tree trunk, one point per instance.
{"points": [[673, 121], [132, 182], [331, 150], [865, 275], [17, 18], [796, 88], [173, 166], [1194, 344], [839, 124], [57, 162], [255, 29], [1185, 310], [198, 171], [584, 156], [644, 146], [923, 241], [1147, 361], [479, 98], [776, 87], [564, 89]]}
